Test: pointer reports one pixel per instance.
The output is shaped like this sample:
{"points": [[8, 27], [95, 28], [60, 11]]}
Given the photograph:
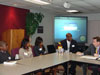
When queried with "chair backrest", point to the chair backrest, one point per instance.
{"points": [[51, 48], [14, 52], [33, 51]]}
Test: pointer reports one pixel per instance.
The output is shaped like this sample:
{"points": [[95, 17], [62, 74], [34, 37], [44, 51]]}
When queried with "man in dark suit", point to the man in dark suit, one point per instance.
{"points": [[70, 45], [92, 50], [4, 55]]}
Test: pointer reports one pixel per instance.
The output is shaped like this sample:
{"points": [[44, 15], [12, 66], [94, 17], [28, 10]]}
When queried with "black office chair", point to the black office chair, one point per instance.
{"points": [[51, 48], [82, 48]]}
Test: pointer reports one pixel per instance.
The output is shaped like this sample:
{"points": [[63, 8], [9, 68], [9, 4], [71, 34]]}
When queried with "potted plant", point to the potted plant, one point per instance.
{"points": [[32, 22]]}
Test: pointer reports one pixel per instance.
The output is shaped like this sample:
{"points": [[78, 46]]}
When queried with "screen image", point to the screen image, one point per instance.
{"points": [[77, 26]]}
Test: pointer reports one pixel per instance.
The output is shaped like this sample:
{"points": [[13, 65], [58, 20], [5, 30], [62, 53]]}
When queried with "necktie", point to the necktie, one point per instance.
{"points": [[96, 51]]}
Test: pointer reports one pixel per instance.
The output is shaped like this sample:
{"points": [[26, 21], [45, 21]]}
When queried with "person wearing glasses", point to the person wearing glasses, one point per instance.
{"points": [[93, 50]]}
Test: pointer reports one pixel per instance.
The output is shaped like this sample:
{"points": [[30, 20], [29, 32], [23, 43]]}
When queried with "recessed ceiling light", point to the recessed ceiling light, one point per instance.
{"points": [[72, 11], [15, 4], [67, 5], [40, 2]]}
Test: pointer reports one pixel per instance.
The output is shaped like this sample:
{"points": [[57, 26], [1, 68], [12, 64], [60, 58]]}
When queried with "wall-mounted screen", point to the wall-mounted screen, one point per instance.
{"points": [[77, 26]]}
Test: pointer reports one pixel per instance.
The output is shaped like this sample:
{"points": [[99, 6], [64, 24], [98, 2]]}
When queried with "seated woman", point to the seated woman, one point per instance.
{"points": [[39, 48], [25, 51], [4, 55]]}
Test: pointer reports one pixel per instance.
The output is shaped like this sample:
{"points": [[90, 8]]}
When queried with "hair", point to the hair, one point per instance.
{"points": [[97, 38], [68, 34], [2, 43], [24, 42], [38, 41], [26, 37]]}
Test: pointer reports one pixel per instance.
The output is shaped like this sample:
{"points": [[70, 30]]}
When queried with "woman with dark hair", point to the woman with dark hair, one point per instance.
{"points": [[39, 48], [25, 51]]}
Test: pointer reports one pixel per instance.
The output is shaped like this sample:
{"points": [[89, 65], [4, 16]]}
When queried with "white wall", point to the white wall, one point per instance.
{"points": [[95, 16], [93, 29]]}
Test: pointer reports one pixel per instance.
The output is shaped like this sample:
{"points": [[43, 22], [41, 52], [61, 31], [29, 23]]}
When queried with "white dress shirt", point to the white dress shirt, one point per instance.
{"points": [[68, 46]]}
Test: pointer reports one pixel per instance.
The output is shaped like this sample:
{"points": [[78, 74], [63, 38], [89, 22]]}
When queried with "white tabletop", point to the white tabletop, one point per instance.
{"points": [[16, 69], [53, 60], [41, 62], [45, 61], [74, 57], [32, 64]]}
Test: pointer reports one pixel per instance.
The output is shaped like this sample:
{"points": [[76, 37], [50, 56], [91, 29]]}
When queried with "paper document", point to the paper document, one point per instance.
{"points": [[88, 57], [10, 62]]}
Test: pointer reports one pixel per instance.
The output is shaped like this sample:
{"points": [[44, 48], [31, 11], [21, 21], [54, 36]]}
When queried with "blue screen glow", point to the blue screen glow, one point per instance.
{"points": [[77, 26]]}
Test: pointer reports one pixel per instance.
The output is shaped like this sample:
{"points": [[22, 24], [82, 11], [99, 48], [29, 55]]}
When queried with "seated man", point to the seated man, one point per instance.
{"points": [[70, 45], [4, 55], [92, 51]]}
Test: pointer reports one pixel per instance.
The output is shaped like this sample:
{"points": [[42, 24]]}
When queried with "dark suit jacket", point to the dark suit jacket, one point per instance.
{"points": [[73, 45], [91, 50], [37, 51], [4, 56]]}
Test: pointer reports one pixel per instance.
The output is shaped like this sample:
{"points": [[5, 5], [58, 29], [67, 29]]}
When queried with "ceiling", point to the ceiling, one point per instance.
{"points": [[56, 6]]}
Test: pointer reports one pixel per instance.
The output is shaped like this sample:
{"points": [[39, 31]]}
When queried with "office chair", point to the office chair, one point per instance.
{"points": [[33, 51], [98, 70], [14, 52], [51, 48]]}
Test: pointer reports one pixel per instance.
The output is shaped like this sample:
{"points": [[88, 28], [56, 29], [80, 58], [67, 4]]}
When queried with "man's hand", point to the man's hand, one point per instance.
{"points": [[79, 53], [96, 55]]}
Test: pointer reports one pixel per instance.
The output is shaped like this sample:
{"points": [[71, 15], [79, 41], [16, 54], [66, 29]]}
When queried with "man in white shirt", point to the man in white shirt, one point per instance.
{"points": [[70, 45]]}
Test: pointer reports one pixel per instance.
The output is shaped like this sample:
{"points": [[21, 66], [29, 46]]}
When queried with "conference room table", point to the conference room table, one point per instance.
{"points": [[42, 62]]}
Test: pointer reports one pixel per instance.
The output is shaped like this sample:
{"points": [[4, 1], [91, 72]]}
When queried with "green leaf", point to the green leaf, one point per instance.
{"points": [[32, 22]]}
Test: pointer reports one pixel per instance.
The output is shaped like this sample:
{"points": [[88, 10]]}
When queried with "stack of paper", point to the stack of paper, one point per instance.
{"points": [[10, 62], [88, 57]]}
